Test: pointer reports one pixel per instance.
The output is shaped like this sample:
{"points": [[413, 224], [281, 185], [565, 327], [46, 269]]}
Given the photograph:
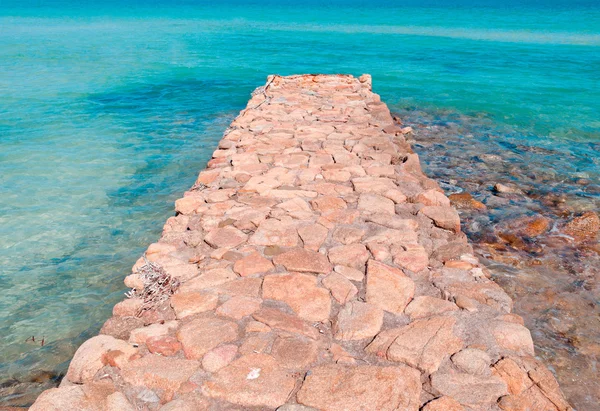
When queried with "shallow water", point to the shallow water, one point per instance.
{"points": [[554, 281], [108, 113]]}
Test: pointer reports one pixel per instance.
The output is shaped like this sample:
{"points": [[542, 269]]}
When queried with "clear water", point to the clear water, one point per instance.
{"points": [[108, 112]]}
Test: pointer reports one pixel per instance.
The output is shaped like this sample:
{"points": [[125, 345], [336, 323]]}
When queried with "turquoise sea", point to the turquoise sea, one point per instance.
{"points": [[109, 109]]}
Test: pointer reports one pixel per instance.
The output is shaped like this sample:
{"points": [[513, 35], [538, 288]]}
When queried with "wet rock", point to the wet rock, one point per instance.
{"points": [[254, 380], [584, 227], [364, 387], [466, 201]]}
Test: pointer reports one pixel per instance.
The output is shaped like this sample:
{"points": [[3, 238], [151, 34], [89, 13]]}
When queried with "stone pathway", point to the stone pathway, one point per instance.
{"points": [[312, 266]]}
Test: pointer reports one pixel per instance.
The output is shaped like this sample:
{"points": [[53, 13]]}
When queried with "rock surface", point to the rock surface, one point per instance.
{"points": [[320, 269]]}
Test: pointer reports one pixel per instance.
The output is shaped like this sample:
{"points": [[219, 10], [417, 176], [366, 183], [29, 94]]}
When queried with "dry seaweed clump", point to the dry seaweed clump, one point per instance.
{"points": [[158, 286]]}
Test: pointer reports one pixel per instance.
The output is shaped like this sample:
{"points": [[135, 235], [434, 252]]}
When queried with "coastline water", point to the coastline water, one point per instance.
{"points": [[108, 114]]}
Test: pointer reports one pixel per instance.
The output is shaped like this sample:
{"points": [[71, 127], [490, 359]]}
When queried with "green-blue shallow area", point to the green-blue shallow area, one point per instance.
{"points": [[108, 110]]}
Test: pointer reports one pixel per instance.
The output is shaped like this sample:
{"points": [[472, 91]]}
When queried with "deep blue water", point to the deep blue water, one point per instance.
{"points": [[109, 111]]}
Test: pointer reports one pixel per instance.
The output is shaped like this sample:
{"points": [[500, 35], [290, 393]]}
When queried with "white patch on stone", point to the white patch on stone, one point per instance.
{"points": [[253, 374]]}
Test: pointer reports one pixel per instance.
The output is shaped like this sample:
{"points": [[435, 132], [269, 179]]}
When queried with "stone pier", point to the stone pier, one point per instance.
{"points": [[313, 266]]}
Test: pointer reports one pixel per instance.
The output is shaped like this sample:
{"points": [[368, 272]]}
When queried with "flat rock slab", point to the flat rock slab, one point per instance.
{"points": [[339, 388], [313, 266]]}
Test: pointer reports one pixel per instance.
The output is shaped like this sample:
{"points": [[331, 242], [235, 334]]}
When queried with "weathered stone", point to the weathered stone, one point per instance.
{"points": [[431, 198], [208, 279], [357, 321], [444, 403], [241, 286], [469, 389], [203, 334], [388, 288], [346, 234], [328, 204], [239, 307], [254, 380], [301, 293], [226, 237], [313, 236], [294, 351], [275, 232], [350, 273], [252, 264], [193, 302], [366, 387], [376, 204], [219, 357], [340, 287], [425, 306], [472, 361], [514, 337], [188, 205], [414, 258], [304, 261], [443, 217], [277, 319], [121, 327], [423, 343], [129, 307], [163, 345], [87, 360], [140, 335], [61, 399], [158, 372], [351, 255], [373, 185]]}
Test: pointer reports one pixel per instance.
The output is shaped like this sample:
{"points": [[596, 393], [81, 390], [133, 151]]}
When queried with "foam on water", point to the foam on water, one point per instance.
{"points": [[108, 113]]}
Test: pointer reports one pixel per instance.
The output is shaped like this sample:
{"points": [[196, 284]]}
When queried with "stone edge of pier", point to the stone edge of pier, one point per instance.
{"points": [[313, 265]]}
